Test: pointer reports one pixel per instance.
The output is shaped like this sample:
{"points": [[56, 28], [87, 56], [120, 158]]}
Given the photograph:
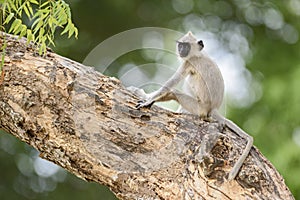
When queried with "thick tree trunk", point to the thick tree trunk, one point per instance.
{"points": [[87, 123]]}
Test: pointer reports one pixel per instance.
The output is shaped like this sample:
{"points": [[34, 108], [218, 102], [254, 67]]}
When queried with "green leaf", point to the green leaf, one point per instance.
{"points": [[23, 30], [41, 33], [12, 5], [9, 17], [3, 55], [42, 48], [67, 28], [50, 40], [2, 61], [6, 8], [30, 8], [30, 36], [44, 4], [71, 32], [72, 29], [63, 18], [50, 21], [27, 11], [34, 2], [17, 30], [76, 32], [15, 25], [19, 3], [35, 22], [38, 26]]}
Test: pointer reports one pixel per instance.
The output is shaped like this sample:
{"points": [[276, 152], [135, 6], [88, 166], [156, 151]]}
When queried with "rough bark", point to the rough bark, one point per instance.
{"points": [[87, 123]]}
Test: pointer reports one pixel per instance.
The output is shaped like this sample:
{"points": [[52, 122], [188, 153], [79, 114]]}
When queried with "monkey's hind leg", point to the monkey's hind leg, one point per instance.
{"points": [[234, 171]]}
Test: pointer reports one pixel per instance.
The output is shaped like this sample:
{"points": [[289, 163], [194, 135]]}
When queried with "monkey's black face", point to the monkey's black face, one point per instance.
{"points": [[183, 48]]}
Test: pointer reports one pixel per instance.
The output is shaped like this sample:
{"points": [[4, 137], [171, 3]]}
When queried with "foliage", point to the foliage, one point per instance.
{"points": [[42, 17]]}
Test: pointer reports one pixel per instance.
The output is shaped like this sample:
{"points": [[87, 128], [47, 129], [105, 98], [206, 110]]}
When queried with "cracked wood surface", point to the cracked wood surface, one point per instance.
{"points": [[87, 123]]}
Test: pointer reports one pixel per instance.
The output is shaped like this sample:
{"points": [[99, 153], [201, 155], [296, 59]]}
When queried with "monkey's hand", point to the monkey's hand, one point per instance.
{"points": [[144, 103], [148, 101], [145, 98]]}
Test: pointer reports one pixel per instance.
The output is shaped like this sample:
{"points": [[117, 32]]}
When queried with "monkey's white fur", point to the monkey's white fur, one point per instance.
{"points": [[203, 90]]}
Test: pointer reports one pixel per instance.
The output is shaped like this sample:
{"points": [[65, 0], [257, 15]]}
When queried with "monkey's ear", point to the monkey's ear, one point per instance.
{"points": [[200, 42]]}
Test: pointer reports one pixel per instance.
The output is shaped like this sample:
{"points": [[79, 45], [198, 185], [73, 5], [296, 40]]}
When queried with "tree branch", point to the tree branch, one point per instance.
{"points": [[87, 123]]}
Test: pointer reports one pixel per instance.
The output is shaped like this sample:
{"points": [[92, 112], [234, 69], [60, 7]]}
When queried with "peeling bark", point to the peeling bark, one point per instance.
{"points": [[87, 123]]}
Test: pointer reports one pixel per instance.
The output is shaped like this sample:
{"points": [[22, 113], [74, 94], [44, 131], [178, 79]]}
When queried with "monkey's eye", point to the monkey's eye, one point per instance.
{"points": [[183, 48]]}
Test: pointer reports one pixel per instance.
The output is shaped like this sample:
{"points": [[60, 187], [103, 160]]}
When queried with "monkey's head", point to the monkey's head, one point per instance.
{"points": [[188, 46]]}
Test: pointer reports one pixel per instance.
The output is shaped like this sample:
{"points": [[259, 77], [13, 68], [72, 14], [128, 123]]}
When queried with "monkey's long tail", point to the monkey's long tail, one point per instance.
{"points": [[234, 171]]}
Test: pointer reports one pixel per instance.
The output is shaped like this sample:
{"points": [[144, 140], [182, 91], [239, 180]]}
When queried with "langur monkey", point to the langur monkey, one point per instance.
{"points": [[203, 90]]}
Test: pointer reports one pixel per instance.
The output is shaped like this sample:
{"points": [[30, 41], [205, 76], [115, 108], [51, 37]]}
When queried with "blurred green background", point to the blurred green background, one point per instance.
{"points": [[261, 38]]}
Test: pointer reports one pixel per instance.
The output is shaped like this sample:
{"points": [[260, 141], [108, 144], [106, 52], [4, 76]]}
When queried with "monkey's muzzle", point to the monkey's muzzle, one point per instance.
{"points": [[183, 48]]}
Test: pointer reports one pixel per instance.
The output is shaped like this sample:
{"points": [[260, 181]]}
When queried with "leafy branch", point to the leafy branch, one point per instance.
{"points": [[42, 19]]}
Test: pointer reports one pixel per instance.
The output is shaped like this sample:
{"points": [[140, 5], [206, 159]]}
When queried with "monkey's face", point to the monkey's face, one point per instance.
{"points": [[183, 48]]}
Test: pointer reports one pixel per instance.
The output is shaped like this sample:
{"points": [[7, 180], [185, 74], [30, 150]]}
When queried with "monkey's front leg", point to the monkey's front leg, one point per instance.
{"points": [[167, 91], [160, 95]]}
